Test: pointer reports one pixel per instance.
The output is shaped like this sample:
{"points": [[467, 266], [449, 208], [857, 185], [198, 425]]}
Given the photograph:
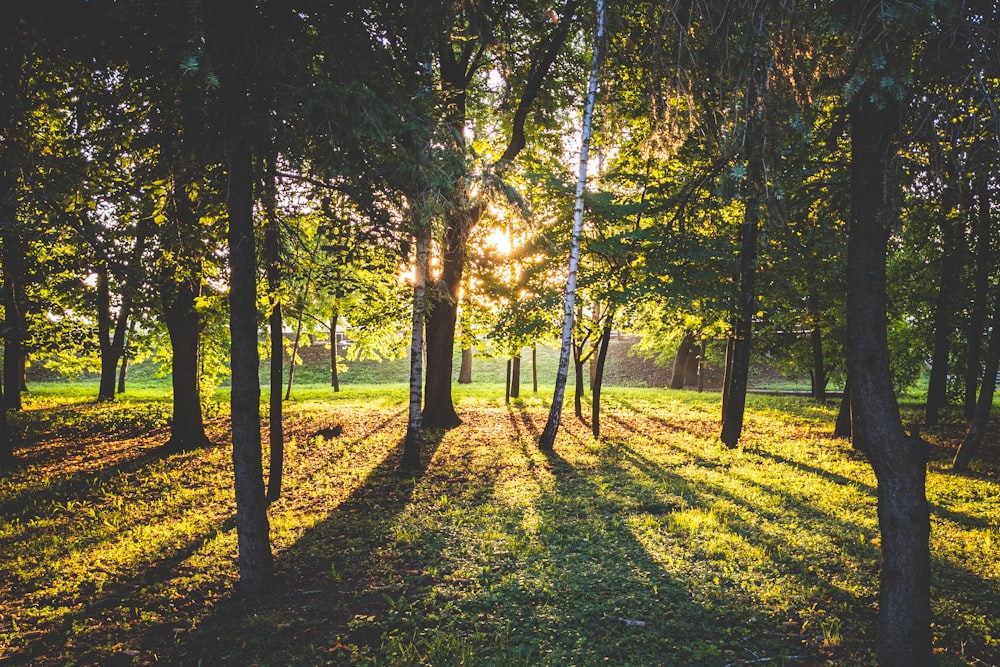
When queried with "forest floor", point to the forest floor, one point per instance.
{"points": [[653, 545]]}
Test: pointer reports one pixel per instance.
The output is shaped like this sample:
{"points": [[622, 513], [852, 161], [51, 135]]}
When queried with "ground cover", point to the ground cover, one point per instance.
{"points": [[652, 546]]}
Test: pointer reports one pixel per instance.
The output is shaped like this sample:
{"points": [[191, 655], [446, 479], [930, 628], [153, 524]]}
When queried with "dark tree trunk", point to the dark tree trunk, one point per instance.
{"points": [[977, 318], [515, 377], [677, 375], [578, 393], [123, 372], [506, 384], [691, 367], [534, 369], [899, 461], [187, 429], [272, 270], [465, 372], [15, 328], [296, 341], [439, 407], [842, 429], [937, 385], [977, 429], [6, 444], [234, 44], [727, 375], [109, 355], [816, 341], [602, 357], [732, 418], [334, 373]]}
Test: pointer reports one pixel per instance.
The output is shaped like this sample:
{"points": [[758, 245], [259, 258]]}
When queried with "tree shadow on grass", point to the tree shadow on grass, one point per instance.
{"points": [[329, 582]]}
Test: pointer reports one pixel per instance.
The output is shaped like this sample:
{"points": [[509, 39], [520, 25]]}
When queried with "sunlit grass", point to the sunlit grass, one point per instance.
{"points": [[654, 545]]}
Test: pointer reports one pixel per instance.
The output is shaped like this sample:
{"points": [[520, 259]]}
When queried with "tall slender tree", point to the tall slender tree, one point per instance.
{"points": [[546, 441]]}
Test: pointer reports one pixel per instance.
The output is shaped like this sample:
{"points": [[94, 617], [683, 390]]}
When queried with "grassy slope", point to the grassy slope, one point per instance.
{"points": [[654, 545]]}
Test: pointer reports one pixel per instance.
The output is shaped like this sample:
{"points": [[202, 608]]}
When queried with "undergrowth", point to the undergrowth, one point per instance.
{"points": [[654, 545]]}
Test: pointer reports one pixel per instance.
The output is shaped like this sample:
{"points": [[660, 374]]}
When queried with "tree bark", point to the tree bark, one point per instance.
{"points": [[15, 327], [899, 461], [6, 444], [187, 428], [465, 372], [515, 377], [534, 369], [977, 429], [816, 341], [937, 385], [272, 271], [732, 419], [439, 406], [236, 51], [842, 429], [977, 318], [546, 441], [578, 392], [506, 384], [602, 357], [679, 371], [413, 441]]}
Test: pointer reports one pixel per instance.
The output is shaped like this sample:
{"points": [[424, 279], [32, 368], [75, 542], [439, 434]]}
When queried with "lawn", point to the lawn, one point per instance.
{"points": [[654, 545]]}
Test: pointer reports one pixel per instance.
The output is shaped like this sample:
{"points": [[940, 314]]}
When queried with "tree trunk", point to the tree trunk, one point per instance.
{"points": [[506, 384], [727, 375], [546, 441], [6, 444], [937, 385], [465, 372], [842, 429], [899, 461], [816, 341], [732, 419], [602, 357], [272, 270], [691, 367], [977, 429], [109, 356], [334, 374], [534, 369], [515, 377], [231, 24], [677, 375], [413, 442], [15, 328], [977, 318], [296, 341], [187, 428], [439, 407], [578, 393], [123, 372]]}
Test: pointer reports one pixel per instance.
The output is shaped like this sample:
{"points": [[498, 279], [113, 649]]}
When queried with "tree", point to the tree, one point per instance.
{"points": [[546, 441], [899, 461], [234, 40]]}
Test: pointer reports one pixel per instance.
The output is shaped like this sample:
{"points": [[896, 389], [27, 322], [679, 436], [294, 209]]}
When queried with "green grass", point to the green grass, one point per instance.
{"points": [[654, 545]]}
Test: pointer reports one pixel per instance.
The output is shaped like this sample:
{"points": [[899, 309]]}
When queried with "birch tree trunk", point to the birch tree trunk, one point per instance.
{"points": [[547, 440], [414, 432]]}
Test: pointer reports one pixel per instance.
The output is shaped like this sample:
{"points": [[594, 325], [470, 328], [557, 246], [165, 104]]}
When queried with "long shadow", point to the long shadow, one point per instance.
{"points": [[52, 641], [946, 572], [333, 573]]}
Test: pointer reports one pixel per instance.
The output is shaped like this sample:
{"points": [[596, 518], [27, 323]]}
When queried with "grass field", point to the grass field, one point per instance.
{"points": [[654, 545]]}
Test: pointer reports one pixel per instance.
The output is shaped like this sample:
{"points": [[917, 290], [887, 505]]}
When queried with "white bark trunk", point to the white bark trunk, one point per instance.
{"points": [[548, 437]]}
